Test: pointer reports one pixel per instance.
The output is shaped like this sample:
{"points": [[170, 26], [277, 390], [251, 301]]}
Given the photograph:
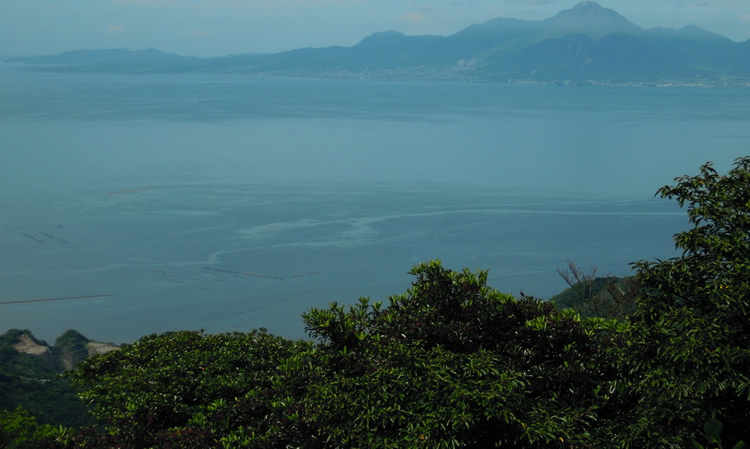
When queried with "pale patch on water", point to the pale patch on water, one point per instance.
{"points": [[189, 213], [272, 229]]}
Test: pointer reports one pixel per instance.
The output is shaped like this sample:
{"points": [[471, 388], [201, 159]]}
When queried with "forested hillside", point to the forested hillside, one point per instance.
{"points": [[29, 371]]}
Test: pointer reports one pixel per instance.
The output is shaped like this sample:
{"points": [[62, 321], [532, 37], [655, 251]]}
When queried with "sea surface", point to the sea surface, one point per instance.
{"points": [[228, 202]]}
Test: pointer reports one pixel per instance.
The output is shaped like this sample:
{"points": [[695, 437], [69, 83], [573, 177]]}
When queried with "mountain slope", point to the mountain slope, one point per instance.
{"points": [[615, 57]]}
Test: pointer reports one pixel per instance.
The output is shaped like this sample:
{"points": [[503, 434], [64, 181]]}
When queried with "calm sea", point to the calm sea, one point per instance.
{"points": [[226, 202]]}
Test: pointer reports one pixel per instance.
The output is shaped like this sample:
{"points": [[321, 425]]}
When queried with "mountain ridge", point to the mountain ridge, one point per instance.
{"points": [[587, 44]]}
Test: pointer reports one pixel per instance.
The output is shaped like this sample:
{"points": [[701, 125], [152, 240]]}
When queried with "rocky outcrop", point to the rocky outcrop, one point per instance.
{"points": [[69, 350], [28, 345]]}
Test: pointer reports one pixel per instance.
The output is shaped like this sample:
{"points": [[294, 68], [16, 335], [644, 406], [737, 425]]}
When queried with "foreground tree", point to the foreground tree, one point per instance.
{"points": [[688, 359], [454, 363]]}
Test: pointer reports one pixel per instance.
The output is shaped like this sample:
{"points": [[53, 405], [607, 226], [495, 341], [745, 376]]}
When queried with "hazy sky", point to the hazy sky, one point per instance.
{"points": [[220, 27]]}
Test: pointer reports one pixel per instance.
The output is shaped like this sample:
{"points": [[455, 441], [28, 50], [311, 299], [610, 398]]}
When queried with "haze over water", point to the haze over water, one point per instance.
{"points": [[233, 202]]}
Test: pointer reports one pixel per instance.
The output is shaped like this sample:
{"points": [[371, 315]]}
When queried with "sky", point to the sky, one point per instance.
{"points": [[209, 28]]}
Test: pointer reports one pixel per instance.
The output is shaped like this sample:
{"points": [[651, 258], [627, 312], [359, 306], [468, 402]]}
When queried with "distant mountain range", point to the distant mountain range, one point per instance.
{"points": [[585, 44]]}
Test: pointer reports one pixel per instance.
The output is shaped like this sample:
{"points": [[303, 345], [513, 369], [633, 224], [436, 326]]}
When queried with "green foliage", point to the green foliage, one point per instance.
{"points": [[689, 343], [18, 430], [454, 363], [713, 273], [409, 396], [188, 389], [712, 433]]}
